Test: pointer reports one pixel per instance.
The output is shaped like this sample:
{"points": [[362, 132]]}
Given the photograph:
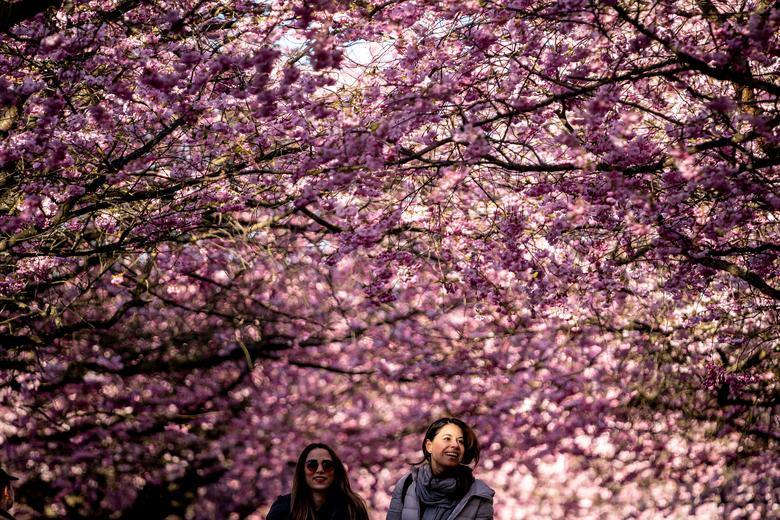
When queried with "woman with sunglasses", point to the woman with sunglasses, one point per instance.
{"points": [[441, 486], [320, 490]]}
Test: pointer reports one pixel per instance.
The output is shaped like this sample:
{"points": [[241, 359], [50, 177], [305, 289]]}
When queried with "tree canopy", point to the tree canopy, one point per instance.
{"points": [[230, 228]]}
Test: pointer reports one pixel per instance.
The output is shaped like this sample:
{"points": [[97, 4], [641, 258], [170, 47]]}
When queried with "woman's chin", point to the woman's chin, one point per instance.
{"points": [[444, 466]]}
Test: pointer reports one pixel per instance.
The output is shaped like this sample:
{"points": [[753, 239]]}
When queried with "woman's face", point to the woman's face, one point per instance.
{"points": [[319, 469], [446, 448]]}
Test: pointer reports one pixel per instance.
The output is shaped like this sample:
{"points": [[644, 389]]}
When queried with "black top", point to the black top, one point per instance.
{"points": [[282, 506]]}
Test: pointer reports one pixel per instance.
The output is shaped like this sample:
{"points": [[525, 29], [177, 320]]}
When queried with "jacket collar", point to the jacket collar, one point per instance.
{"points": [[477, 489]]}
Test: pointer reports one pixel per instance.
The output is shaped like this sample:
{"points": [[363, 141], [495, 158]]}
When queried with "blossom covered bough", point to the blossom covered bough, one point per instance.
{"points": [[231, 228]]}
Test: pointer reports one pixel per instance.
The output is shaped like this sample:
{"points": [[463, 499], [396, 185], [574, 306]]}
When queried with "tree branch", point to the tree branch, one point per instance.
{"points": [[12, 13]]}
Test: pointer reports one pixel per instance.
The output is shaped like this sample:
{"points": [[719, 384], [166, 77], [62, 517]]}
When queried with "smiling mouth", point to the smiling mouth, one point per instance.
{"points": [[320, 480]]}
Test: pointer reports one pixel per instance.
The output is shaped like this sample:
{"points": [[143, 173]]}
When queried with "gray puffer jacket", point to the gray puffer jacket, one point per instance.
{"points": [[476, 504]]}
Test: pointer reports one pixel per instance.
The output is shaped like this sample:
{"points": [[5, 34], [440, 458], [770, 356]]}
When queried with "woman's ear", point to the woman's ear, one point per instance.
{"points": [[428, 445]]}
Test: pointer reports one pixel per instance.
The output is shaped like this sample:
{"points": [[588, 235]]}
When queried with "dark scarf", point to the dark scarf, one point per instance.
{"points": [[334, 508], [438, 495]]}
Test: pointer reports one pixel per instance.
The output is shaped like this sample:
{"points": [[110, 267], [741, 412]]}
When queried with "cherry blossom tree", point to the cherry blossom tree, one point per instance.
{"points": [[228, 229]]}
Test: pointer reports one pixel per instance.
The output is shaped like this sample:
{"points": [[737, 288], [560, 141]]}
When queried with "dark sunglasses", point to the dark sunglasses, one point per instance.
{"points": [[312, 465]]}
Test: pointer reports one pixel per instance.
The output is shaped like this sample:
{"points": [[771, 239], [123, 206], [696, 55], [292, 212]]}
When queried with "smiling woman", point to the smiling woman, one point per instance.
{"points": [[442, 486], [320, 490]]}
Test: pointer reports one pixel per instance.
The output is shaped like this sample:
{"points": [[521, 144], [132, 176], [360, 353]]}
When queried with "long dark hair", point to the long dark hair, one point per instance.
{"points": [[339, 491], [463, 473]]}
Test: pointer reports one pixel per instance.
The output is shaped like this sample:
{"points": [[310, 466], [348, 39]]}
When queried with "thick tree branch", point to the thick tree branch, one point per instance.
{"points": [[732, 75], [750, 277]]}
